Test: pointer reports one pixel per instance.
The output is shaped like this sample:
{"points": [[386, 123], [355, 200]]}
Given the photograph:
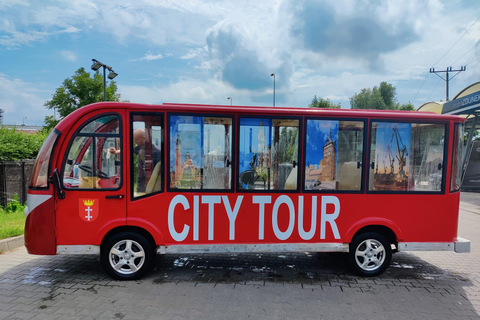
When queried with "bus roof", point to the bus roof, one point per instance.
{"points": [[252, 110]]}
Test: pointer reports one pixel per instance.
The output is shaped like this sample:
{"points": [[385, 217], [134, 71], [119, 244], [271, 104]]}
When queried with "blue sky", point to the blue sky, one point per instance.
{"points": [[206, 51]]}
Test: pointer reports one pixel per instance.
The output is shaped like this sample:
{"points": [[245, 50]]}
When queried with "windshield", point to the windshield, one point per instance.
{"points": [[40, 169]]}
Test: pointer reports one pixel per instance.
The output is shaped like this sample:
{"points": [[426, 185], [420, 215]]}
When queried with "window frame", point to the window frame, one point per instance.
{"points": [[232, 163], [362, 165], [131, 146], [94, 136], [299, 159], [442, 190]]}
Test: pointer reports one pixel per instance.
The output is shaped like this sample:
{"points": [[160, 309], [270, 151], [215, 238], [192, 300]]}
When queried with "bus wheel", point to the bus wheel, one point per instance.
{"points": [[127, 256], [370, 254]]}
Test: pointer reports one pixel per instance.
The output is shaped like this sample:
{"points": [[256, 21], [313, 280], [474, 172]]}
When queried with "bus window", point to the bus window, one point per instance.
{"points": [[407, 157], [458, 149], [268, 154], [41, 168], [200, 152], [333, 156], [147, 141], [90, 164]]}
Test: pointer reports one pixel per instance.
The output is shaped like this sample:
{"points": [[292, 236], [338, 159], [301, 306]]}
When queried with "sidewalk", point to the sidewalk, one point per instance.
{"points": [[418, 285], [11, 243]]}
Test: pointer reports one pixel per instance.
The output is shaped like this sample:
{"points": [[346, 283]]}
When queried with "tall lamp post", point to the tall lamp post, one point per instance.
{"points": [[231, 100], [111, 75], [273, 75]]}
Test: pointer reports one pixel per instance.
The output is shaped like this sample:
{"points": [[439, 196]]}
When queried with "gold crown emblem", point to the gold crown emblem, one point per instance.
{"points": [[88, 202]]}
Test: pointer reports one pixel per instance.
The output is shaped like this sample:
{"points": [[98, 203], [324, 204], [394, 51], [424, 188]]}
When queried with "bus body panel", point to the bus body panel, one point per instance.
{"points": [[234, 220], [40, 223], [193, 219]]}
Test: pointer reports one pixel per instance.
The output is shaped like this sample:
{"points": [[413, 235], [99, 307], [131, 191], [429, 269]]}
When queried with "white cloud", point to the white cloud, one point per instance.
{"points": [[149, 57], [68, 55], [20, 100]]}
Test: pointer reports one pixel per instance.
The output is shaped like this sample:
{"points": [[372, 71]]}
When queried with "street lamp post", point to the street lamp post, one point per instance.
{"points": [[111, 75], [273, 75], [231, 100]]}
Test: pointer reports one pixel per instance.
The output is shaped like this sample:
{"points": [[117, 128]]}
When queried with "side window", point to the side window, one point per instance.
{"points": [[91, 161], [200, 152], [333, 156], [407, 157], [458, 149], [146, 147], [268, 154]]}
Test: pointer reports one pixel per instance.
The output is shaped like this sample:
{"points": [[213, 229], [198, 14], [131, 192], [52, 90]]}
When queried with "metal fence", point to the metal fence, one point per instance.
{"points": [[14, 179]]}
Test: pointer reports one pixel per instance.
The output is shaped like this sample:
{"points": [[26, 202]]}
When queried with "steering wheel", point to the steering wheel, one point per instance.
{"points": [[89, 171]]}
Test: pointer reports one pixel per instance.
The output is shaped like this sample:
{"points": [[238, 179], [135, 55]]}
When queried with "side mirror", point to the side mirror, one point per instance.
{"points": [[55, 179]]}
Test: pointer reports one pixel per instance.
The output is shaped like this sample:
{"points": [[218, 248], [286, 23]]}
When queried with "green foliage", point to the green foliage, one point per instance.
{"points": [[17, 145], [12, 219], [14, 205], [382, 97], [77, 91], [407, 106], [323, 103]]}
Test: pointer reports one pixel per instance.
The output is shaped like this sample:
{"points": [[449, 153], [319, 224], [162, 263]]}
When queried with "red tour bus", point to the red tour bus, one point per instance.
{"points": [[127, 181]]}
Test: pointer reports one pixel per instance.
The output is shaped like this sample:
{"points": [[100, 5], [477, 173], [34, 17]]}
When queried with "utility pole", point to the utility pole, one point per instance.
{"points": [[447, 71]]}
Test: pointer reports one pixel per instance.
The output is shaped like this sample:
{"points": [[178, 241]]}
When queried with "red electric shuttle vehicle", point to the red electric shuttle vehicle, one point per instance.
{"points": [[127, 181]]}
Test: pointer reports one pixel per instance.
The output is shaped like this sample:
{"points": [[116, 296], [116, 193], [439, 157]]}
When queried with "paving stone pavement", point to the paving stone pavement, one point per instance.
{"points": [[423, 285]]}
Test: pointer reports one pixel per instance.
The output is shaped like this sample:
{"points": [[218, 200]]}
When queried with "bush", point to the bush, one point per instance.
{"points": [[17, 145], [14, 205]]}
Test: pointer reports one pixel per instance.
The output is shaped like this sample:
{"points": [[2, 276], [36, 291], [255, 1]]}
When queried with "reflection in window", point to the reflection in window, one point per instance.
{"points": [[407, 157], [90, 164], [268, 154], [200, 152], [334, 153]]}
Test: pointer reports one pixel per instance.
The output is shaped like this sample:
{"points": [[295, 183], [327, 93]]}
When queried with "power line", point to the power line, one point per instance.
{"points": [[456, 41], [466, 53]]}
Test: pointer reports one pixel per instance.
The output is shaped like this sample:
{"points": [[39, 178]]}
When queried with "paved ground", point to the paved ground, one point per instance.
{"points": [[426, 285]]}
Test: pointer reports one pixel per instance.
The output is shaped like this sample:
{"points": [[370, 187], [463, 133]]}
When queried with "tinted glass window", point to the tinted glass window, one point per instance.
{"points": [[407, 156], [268, 154]]}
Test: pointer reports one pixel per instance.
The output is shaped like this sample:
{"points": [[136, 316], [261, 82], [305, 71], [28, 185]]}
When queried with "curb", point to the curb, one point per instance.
{"points": [[11, 243]]}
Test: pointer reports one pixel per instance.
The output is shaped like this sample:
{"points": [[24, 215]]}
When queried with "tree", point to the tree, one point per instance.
{"points": [[407, 106], [380, 98], [78, 91], [323, 103]]}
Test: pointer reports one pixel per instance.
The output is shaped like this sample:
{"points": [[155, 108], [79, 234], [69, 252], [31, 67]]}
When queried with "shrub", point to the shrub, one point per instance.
{"points": [[17, 145]]}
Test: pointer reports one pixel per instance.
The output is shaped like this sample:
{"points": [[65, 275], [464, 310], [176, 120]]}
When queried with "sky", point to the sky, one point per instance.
{"points": [[191, 51]]}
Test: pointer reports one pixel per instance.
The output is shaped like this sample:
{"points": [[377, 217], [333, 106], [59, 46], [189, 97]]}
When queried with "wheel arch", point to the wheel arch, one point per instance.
{"points": [[144, 233], [382, 226]]}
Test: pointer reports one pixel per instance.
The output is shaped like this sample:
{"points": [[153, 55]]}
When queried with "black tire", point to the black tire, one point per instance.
{"points": [[370, 254], [127, 256]]}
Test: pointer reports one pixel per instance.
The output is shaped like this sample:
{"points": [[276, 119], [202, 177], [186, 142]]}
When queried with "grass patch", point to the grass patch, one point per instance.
{"points": [[11, 223]]}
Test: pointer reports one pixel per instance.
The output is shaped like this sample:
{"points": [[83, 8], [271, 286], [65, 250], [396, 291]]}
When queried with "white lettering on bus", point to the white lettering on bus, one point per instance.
{"points": [[262, 201], [232, 214], [171, 210], [211, 201], [279, 234], [330, 218], [301, 231]]}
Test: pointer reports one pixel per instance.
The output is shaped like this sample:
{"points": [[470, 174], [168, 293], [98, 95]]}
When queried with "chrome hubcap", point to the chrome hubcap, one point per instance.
{"points": [[370, 255], [127, 257]]}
